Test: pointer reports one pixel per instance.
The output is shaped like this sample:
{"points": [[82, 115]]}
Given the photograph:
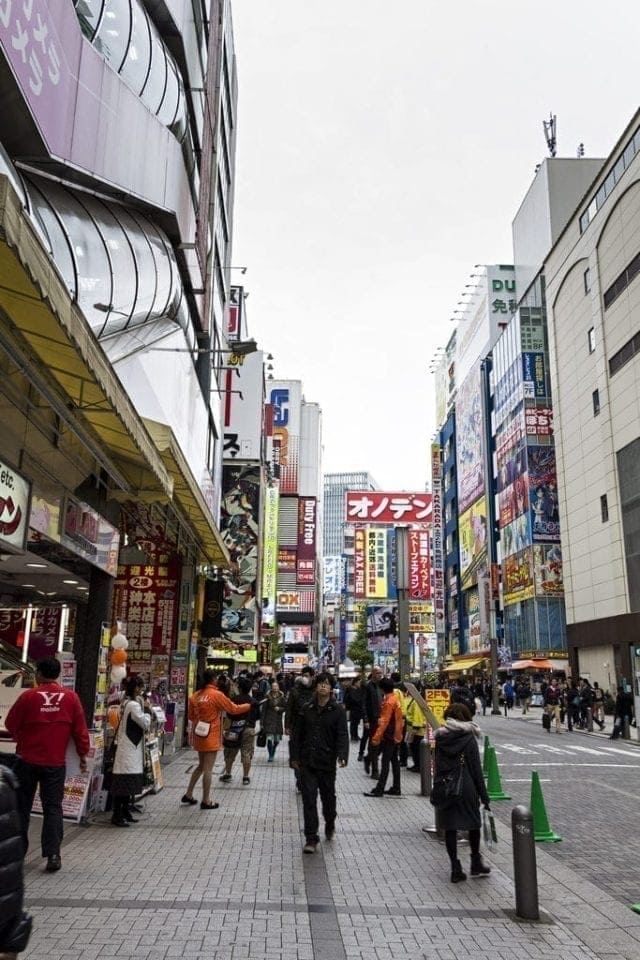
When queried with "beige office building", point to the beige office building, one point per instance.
{"points": [[593, 301]]}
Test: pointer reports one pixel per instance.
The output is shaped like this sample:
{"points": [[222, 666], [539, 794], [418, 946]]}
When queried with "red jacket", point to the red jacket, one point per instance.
{"points": [[43, 720]]}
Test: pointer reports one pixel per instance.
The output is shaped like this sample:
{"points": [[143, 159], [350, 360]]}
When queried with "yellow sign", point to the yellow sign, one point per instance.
{"points": [[438, 701], [376, 562]]}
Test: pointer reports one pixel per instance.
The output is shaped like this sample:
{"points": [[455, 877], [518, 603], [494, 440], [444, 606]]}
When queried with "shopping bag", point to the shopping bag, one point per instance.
{"points": [[489, 832]]}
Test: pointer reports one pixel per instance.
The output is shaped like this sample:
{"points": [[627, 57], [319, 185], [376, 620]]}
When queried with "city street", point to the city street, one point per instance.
{"points": [[233, 883]]}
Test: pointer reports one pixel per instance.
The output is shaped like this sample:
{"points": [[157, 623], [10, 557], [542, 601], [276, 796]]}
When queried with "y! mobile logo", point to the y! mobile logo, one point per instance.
{"points": [[52, 701]]}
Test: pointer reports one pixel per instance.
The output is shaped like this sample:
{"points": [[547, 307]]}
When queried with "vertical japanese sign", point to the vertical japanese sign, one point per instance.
{"points": [[359, 558], [376, 557], [145, 599], [436, 541], [469, 445], [306, 556], [419, 565], [270, 558]]}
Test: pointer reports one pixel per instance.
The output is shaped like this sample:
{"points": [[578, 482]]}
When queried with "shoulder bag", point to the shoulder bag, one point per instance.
{"points": [[447, 788], [202, 728], [134, 732]]}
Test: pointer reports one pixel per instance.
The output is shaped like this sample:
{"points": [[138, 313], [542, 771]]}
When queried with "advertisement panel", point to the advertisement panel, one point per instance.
{"points": [[508, 391], [359, 564], [90, 536], [515, 537], [513, 501], [287, 557], [420, 617], [392, 564], [469, 445], [269, 558], [472, 537], [437, 563], [373, 507], [533, 376], [382, 629], [145, 598], [285, 396], [539, 420], [376, 557], [419, 564], [14, 505], [472, 602], [510, 433], [547, 567], [296, 635], [243, 406], [306, 555], [543, 494], [512, 463], [332, 574], [517, 578], [234, 315], [239, 524]]}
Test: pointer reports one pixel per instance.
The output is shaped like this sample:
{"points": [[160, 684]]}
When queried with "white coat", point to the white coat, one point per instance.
{"points": [[130, 756]]}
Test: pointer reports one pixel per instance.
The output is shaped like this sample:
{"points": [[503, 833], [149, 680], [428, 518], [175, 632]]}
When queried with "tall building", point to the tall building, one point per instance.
{"points": [[117, 146], [593, 299], [335, 488]]}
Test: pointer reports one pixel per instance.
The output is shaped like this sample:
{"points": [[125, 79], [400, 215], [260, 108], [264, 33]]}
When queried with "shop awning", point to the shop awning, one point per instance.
{"points": [[187, 495], [46, 335], [465, 664], [533, 665]]}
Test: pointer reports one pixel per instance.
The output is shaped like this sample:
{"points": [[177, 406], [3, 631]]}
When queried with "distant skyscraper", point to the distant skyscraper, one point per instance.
{"points": [[335, 488]]}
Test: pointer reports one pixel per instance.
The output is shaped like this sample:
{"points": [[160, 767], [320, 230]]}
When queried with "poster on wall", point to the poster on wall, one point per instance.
{"points": [[239, 524], [518, 578], [543, 494], [145, 600], [472, 535], [382, 629], [515, 537], [469, 445], [547, 566], [419, 564]]}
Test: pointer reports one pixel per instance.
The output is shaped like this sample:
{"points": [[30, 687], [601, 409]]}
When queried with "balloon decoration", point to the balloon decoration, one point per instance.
{"points": [[119, 644]]}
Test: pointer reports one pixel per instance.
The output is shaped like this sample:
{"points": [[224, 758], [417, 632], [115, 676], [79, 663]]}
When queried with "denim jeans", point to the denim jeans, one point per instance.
{"points": [[51, 781]]}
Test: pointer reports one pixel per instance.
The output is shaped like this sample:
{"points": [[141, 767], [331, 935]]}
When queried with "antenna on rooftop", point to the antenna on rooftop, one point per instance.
{"points": [[549, 127], [580, 150]]}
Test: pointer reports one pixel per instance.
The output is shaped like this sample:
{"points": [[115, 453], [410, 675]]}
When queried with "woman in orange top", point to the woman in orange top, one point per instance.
{"points": [[389, 735], [206, 706]]}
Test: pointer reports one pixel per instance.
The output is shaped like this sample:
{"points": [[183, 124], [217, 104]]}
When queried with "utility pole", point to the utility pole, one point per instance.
{"points": [[402, 577]]}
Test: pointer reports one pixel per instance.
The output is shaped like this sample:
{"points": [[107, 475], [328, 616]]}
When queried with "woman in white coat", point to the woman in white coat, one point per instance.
{"points": [[128, 766]]}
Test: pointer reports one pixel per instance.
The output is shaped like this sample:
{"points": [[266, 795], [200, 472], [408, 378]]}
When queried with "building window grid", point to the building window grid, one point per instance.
{"points": [[596, 402], [614, 175], [604, 508], [591, 339]]}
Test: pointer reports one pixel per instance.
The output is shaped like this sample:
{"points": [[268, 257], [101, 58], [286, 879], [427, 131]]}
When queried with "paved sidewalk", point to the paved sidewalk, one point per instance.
{"points": [[233, 884]]}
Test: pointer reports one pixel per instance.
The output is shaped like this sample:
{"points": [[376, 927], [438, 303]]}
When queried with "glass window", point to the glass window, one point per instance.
{"points": [[596, 402], [629, 153], [145, 266], [112, 38], [604, 508], [138, 59], [587, 280], [609, 183], [88, 13], [584, 221], [618, 169], [169, 105], [157, 80], [636, 141], [601, 196], [58, 241], [591, 339], [123, 268]]}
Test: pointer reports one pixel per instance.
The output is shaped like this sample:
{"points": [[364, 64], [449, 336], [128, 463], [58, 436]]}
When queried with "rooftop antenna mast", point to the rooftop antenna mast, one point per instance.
{"points": [[549, 127]]}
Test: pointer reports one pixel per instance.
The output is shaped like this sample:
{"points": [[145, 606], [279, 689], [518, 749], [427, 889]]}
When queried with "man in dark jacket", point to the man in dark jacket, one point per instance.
{"points": [[320, 740], [353, 702], [15, 925], [624, 711], [372, 705], [300, 693]]}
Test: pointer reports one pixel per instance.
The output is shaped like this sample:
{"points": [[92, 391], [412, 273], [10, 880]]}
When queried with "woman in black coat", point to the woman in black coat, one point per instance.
{"points": [[456, 743], [15, 924]]}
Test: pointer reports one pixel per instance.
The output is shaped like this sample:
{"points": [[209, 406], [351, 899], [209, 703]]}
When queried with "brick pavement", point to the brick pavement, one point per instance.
{"points": [[233, 884]]}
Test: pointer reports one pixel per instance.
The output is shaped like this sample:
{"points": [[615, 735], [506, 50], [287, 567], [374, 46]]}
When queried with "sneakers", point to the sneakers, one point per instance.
{"points": [[373, 793], [225, 778], [245, 780], [54, 863], [310, 846]]}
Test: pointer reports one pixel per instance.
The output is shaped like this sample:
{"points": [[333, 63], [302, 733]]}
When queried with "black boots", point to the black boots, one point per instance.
{"points": [[478, 867], [457, 873]]}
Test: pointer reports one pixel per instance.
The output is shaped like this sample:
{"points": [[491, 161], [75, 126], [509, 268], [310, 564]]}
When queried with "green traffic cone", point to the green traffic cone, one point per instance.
{"points": [[541, 828], [485, 758], [494, 786]]}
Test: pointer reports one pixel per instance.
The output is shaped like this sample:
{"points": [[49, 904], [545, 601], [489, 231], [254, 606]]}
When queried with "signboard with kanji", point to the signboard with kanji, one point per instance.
{"points": [[373, 507]]}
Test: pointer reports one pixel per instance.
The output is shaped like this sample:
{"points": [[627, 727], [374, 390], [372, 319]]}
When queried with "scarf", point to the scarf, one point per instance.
{"points": [[467, 726]]}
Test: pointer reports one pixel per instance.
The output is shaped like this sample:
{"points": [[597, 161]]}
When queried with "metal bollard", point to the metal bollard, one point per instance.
{"points": [[626, 729], [425, 768], [525, 874]]}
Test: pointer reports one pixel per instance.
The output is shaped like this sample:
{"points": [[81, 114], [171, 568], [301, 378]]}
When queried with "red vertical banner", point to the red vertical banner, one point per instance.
{"points": [[306, 556], [419, 565], [359, 549], [145, 599]]}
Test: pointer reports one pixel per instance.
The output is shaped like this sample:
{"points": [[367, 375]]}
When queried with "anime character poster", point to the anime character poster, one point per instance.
{"points": [[515, 537], [518, 578], [239, 525], [547, 566], [472, 537], [469, 445], [382, 629], [543, 494]]}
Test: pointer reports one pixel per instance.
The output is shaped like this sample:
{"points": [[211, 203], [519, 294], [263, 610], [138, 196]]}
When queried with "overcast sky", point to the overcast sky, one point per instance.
{"points": [[383, 150]]}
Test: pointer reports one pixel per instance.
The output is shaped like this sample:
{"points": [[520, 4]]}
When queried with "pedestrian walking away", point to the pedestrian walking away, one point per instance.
{"points": [[239, 733], [206, 707], [128, 765], [271, 719], [457, 749], [387, 737], [320, 742], [623, 712], [354, 705], [42, 721]]}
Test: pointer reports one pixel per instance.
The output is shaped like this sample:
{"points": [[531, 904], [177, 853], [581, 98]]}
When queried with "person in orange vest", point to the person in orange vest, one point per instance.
{"points": [[388, 735]]}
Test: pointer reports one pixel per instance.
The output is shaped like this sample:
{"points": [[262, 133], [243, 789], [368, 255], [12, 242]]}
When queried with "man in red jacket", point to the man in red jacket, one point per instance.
{"points": [[42, 721]]}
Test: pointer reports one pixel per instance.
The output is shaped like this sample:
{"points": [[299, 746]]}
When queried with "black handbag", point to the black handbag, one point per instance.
{"points": [[261, 739], [447, 788], [133, 731]]}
